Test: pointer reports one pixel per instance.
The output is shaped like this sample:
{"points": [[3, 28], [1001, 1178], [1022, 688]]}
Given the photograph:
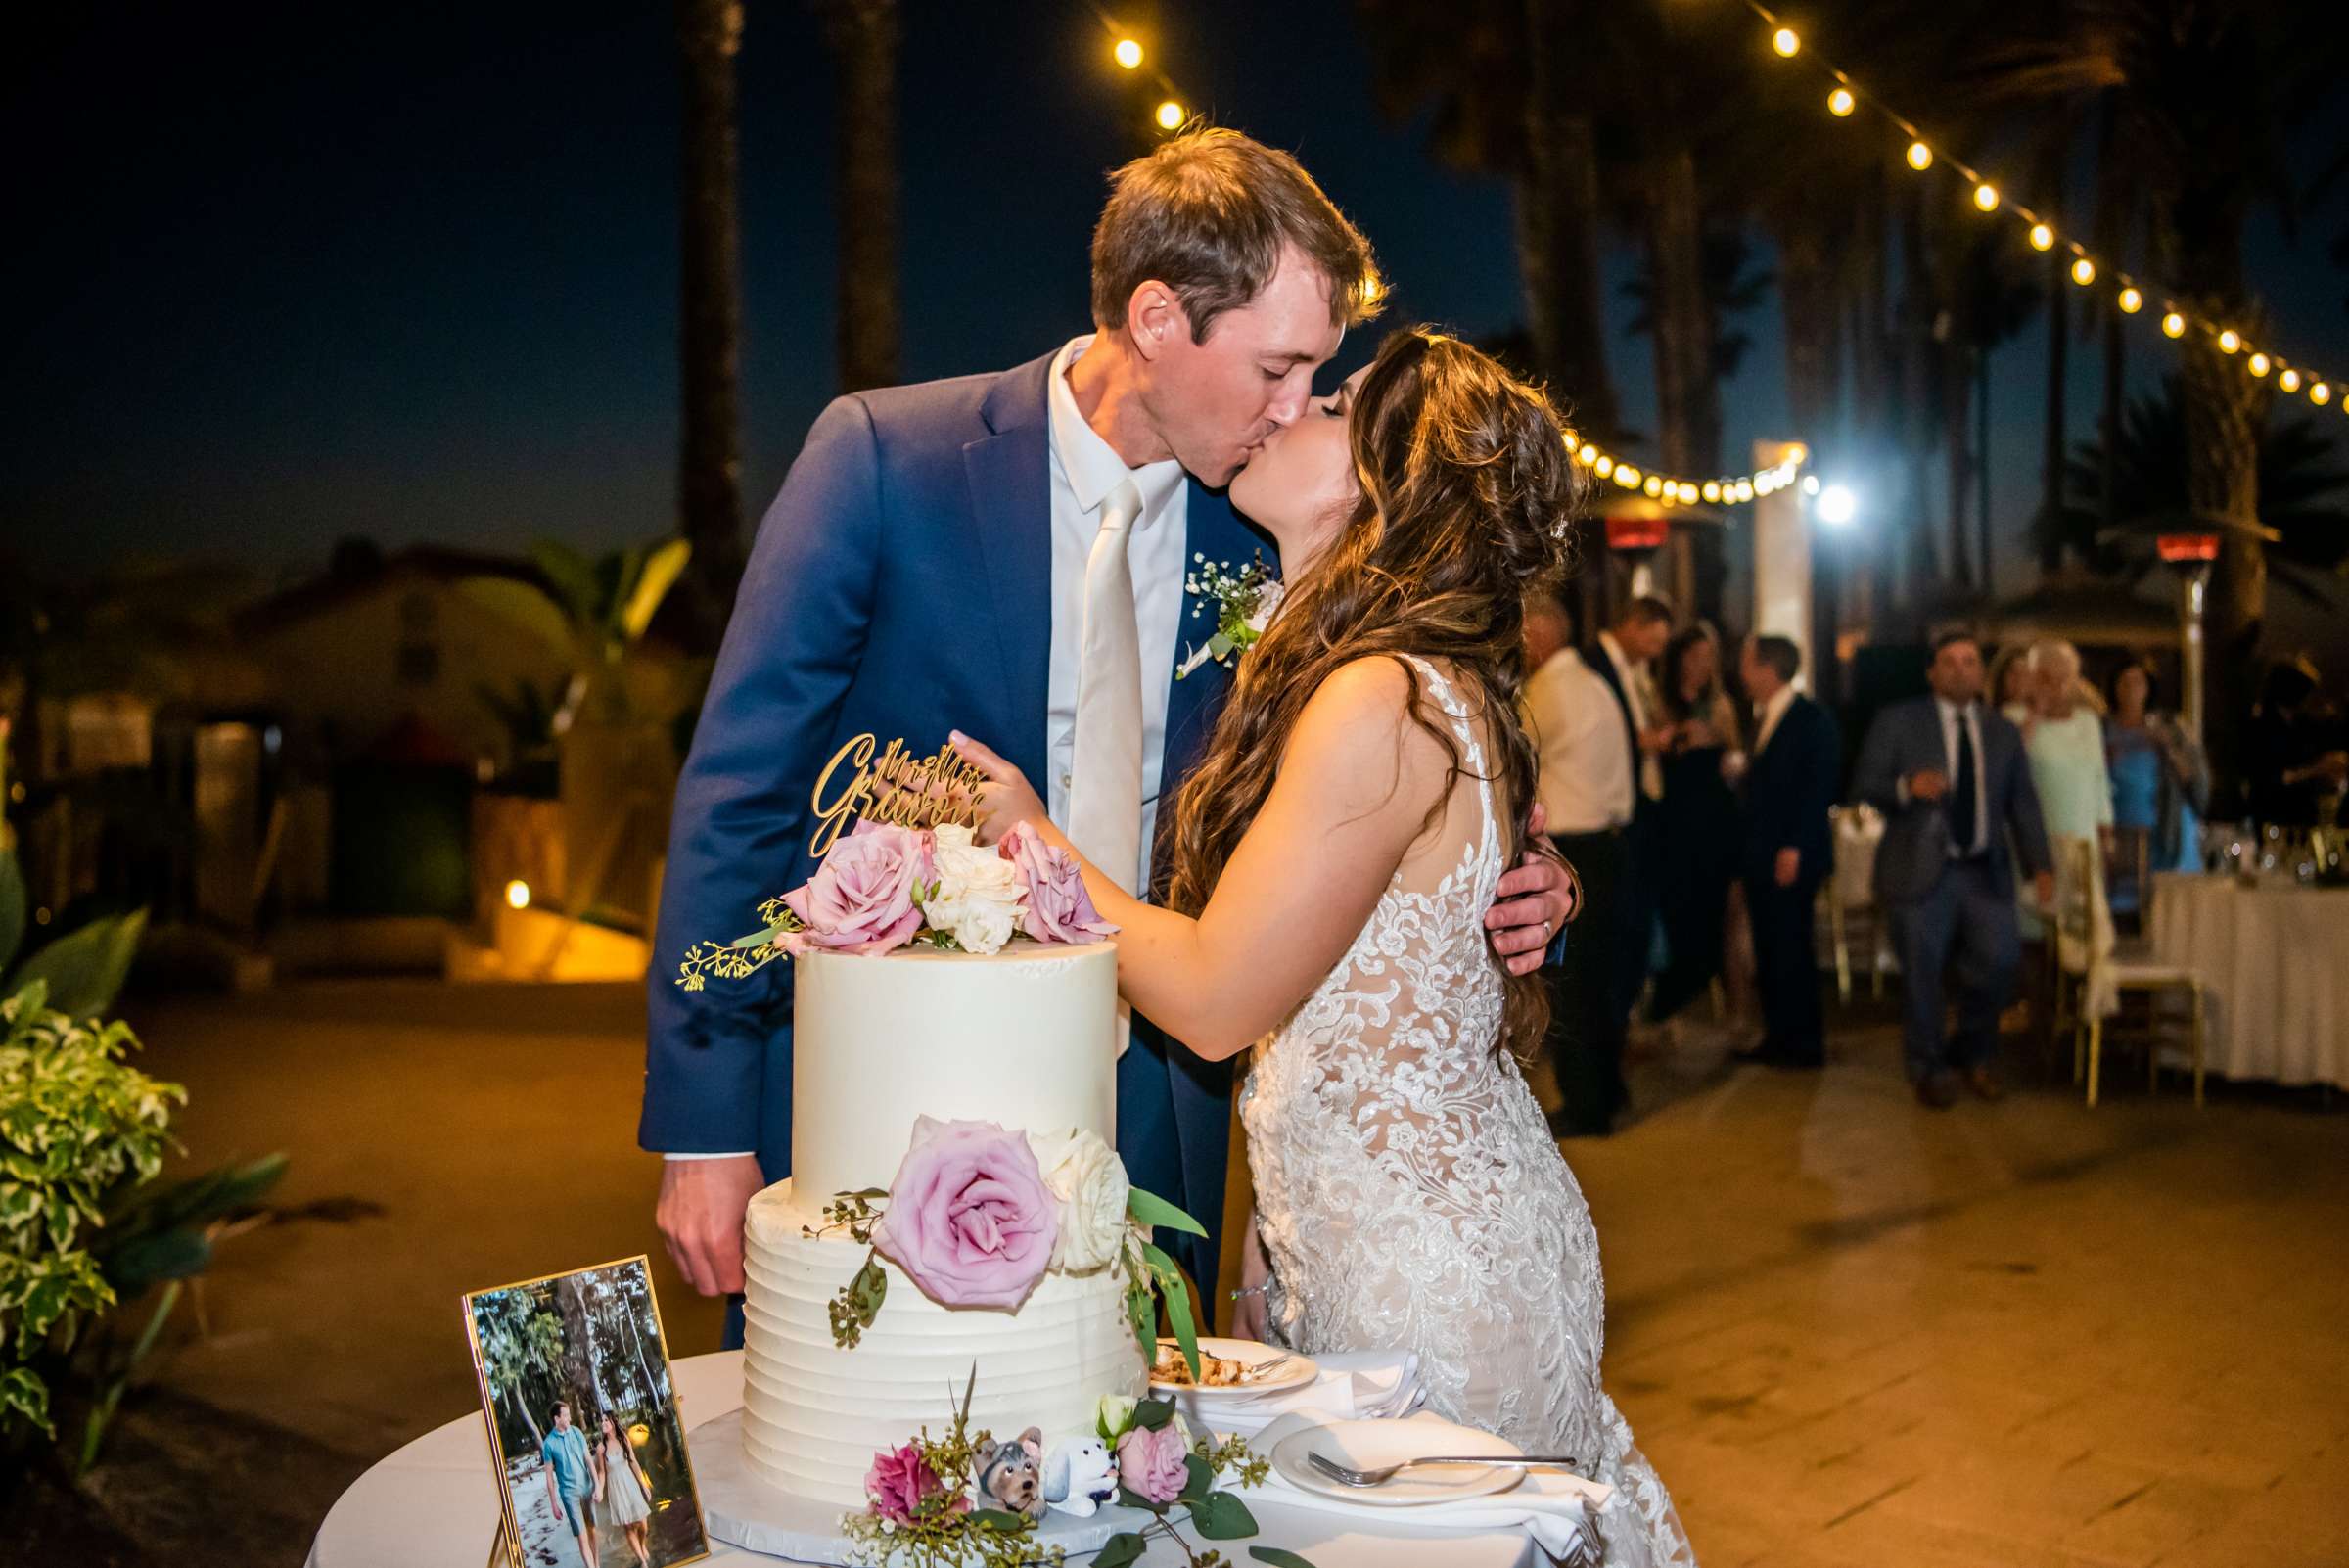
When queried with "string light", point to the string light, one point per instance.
{"points": [[1169, 116], [2289, 380], [1844, 100], [2320, 394], [1128, 53], [1711, 492], [1604, 467]]}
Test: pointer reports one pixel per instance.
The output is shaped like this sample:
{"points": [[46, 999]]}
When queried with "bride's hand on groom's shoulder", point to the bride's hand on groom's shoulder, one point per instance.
{"points": [[1007, 799]]}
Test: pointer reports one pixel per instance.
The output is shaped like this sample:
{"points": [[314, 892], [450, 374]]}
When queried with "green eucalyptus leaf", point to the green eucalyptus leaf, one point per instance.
{"points": [[1278, 1557], [1149, 1209], [1221, 1516], [1151, 1414], [999, 1519], [1128, 1498], [1175, 1292], [1202, 1478], [1123, 1547]]}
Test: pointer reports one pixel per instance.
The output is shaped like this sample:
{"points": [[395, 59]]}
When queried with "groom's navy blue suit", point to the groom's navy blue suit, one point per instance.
{"points": [[900, 585]]}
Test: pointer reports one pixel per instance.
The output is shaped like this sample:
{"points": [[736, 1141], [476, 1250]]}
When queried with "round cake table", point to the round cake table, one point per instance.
{"points": [[2274, 963], [436, 1502]]}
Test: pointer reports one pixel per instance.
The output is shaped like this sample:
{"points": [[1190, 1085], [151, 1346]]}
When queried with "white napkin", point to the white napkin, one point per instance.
{"points": [[1553, 1506], [1352, 1386]]}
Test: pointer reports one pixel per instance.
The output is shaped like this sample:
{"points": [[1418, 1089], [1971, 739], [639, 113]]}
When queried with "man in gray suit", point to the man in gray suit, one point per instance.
{"points": [[1952, 783]]}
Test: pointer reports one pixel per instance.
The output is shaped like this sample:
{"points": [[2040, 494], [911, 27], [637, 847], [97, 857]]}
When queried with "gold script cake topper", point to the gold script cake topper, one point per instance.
{"points": [[896, 788]]}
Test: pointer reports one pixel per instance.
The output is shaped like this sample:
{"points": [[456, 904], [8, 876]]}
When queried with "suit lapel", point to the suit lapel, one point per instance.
{"points": [[1011, 504]]}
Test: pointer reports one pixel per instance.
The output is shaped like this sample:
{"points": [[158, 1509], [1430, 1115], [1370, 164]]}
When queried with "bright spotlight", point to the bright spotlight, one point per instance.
{"points": [[518, 894], [1836, 505]]}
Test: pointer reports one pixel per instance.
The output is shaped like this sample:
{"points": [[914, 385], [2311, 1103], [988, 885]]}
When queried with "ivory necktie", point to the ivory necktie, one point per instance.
{"points": [[1105, 788]]}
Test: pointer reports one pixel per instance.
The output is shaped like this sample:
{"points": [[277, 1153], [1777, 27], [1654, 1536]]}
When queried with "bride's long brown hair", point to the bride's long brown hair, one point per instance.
{"points": [[1466, 490]]}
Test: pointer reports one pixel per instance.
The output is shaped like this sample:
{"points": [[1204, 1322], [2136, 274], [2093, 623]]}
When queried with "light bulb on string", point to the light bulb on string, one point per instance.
{"points": [[1626, 475], [1786, 43], [2229, 340], [1986, 197], [2131, 302], [1841, 103], [1587, 456], [2288, 378], [1745, 489], [2173, 325], [1603, 466], [1128, 53], [1653, 487], [1689, 494], [1920, 156], [2043, 238], [1711, 492], [2257, 364], [1169, 116], [2319, 394], [2084, 272]]}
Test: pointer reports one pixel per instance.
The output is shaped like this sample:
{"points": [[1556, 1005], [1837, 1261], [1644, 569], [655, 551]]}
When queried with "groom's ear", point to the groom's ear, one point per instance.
{"points": [[1155, 319]]}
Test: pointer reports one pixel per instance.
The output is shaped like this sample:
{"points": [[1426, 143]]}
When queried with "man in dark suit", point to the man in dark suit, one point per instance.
{"points": [[1788, 849], [937, 560], [1951, 780], [1623, 656]]}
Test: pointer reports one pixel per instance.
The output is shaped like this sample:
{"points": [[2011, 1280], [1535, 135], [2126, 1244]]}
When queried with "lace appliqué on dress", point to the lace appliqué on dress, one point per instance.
{"points": [[1411, 1196]]}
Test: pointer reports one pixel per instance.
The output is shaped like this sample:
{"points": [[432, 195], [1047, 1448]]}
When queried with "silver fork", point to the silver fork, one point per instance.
{"points": [[1382, 1474], [1251, 1373]]}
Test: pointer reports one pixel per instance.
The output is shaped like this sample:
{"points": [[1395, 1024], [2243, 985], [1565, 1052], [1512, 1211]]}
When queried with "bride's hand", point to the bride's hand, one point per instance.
{"points": [[1007, 799], [1249, 1319]]}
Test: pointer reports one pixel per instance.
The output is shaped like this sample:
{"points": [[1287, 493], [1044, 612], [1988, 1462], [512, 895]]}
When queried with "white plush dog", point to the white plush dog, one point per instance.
{"points": [[1080, 1475]]}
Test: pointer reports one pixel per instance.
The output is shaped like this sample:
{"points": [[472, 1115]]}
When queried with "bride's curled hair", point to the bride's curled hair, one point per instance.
{"points": [[1467, 490]]}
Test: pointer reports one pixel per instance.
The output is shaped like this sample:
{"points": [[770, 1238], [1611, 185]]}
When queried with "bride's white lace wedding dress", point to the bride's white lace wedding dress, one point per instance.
{"points": [[1410, 1193]]}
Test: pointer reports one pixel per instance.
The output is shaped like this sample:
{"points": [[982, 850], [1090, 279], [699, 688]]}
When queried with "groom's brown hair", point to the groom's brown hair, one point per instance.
{"points": [[1208, 214]]}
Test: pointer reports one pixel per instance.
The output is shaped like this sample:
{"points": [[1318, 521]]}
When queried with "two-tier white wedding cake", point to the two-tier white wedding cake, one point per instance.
{"points": [[1022, 1038]]}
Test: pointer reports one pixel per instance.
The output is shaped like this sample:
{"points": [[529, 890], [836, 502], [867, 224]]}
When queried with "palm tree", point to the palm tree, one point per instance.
{"points": [[1507, 80], [863, 35], [710, 335]]}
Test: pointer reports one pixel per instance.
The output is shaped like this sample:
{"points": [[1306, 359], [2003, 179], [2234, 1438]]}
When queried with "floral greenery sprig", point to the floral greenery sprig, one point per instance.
{"points": [[1245, 600], [744, 957], [854, 1306], [1151, 1274], [1216, 1515], [942, 1530]]}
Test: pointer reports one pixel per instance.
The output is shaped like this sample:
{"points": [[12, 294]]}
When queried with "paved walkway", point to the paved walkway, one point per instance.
{"points": [[1847, 1332]]}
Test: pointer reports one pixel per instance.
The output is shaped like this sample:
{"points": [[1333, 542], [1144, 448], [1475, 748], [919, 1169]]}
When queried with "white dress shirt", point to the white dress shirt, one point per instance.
{"points": [[1086, 469], [1585, 782], [1772, 712], [1972, 716], [1634, 695]]}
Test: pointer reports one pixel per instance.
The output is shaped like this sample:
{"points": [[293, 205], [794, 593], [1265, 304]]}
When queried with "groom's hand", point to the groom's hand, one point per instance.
{"points": [[700, 1215], [1532, 904]]}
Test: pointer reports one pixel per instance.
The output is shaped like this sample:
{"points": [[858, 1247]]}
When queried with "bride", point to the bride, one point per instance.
{"points": [[1334, 854]]}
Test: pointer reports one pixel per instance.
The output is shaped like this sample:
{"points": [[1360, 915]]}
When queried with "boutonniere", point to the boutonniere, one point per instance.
{"points": [[1244, 601]]}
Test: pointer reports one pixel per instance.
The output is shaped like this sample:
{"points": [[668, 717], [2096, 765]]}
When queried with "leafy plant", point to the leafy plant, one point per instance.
{"points": [[596, 608], [82, 969]]}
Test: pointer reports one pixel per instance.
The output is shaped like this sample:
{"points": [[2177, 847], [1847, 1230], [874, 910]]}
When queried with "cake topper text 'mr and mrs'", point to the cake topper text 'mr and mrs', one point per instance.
{"points": [[895, 788]]}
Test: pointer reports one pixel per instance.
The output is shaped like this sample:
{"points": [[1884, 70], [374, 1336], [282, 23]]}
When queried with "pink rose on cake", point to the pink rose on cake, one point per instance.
{"points": [[969, 1217], [1059, 910], [861, 898], [977, 896], [1151, 1462], [899, 1482]]}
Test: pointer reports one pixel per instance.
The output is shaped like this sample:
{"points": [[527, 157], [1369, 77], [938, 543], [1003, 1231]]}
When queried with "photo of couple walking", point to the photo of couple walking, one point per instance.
{"points": [[575, 1383]]}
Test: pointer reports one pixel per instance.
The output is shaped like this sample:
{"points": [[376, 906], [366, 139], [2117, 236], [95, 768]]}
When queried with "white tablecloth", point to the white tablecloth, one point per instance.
{"points": [[436, 1502], [2274, 967]]}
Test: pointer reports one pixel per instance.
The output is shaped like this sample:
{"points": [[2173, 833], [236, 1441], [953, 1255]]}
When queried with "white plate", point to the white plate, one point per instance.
{"points": [[1300, 1372], [1367, 1444]]}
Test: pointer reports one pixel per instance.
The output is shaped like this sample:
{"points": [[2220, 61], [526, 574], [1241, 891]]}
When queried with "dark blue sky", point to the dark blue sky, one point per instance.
{"points": [[287, 275]]}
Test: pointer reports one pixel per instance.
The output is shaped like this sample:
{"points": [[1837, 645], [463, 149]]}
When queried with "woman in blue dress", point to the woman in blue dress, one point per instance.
{"points": [[2160, 782]]}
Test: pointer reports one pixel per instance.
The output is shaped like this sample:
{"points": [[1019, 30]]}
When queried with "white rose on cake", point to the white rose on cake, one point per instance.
{"points": [[1089, 1181], [978, 895]]}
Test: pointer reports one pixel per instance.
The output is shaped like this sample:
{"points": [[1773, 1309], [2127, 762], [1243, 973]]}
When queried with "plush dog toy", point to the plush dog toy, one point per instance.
{"points": [[1009, 1472], [1081, 1476]]}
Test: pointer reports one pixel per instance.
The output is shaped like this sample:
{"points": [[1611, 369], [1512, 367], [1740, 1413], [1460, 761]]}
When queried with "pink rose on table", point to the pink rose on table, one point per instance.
{"points": [[899, 1482], [969, 1217], [1059, 910], [861, 900], [1151, 1462]]}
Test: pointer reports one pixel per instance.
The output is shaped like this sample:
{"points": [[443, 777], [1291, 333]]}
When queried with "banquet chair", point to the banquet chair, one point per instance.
{"points": [[2094, 971], [1850, 898]]}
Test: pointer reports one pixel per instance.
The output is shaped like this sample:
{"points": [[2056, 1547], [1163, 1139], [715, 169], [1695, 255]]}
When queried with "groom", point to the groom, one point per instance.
{"points": [[1006, 554]]}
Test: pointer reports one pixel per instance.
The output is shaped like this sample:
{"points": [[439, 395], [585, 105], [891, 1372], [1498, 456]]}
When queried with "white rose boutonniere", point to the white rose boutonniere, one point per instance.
{"points": [[1245, 601], [977, 896], [1089, 1181]]}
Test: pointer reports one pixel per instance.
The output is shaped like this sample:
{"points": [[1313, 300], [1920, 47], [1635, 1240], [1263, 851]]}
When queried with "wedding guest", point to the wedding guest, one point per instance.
{"points": [[2067, 747], [1788, 849], [571, 1481], [1696, 821], [1622, 657], [2160, 781], [2010, 685], [623, 1493], [1952, 783], [2294, 747], [1583, 781]]}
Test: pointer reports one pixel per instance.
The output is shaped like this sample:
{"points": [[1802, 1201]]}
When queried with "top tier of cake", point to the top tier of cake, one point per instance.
{"points": [[1024, 1037]]}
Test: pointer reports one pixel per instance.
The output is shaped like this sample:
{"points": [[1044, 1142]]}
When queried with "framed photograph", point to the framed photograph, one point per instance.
{"points": [[591, 1464]]}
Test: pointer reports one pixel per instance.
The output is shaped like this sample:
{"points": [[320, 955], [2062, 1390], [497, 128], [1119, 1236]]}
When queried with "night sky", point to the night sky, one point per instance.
{"points": [[285, 274]]}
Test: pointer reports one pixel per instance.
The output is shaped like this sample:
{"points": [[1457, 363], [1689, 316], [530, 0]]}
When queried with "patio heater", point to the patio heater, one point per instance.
{"points": [[1636, 531], [2190, 556]]}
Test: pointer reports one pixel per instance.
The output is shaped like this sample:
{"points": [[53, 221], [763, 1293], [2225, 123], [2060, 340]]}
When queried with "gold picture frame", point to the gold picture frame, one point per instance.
{"points": [[525, 1341]]}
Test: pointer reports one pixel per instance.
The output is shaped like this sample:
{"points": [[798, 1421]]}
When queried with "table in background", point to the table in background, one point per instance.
{"points": [[436, 1502], [2273, 960]]}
